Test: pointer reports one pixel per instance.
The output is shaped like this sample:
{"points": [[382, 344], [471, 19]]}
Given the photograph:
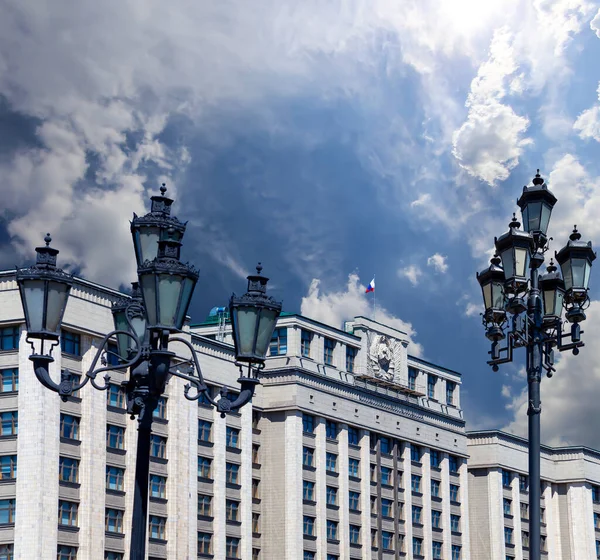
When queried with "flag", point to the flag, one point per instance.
{"points": [[371, 286]]}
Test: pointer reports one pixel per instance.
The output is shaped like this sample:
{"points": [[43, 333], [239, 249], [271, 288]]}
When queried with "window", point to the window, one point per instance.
{"points": [[434, 458], [115, 396], [415, 453], [157, 527], [331, 429], [455, 523], [542, 543], [308, 424], [596, 494], [431, 379], [331, 462], [255, 489], [305, 340], [107, 556], [68, 470], [158, 446], [8, 468], [412, 378], [373, 505], [204, 430], [523, 483], [10, 423], [387, 507], [353, 436], [69, 426], [9, 383], [9, 338], [454, 493], [436, 550], [416, 514], [70, 343], [328, 346], [506, 478], [350, 358], [374, 538], [455, 552], [232, 472], [161, 409], [204, 505], [525, 539], [232, 547], [354, 467], [543, 516], [67, 513], [204, 543], [354, 534], [524, 510], [436, 517], [112, 355], [417, 546], [354, 501], [308, 456], [204, 464], [508, 535], [6, 552], [450, 386], [256, 454], [385, 445], [158, 486], [278, 346], [331, 496], [332, 530], [66, 552], [113, 520], [435, 488], [7, 512], [308, 526], [115, 436], [399, 479], [415, 483], [596, 520], [507, 506], [387, 540], [332, 557], [114, 478], [308, 555], [256, 523], [203, 400], [232, 508], [453, 464], [386, 476], [232, 437], [308, 490]]}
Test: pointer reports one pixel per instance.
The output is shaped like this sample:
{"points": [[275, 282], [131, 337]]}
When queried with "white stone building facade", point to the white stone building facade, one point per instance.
{"points": [[351, 449], [498, 499]]}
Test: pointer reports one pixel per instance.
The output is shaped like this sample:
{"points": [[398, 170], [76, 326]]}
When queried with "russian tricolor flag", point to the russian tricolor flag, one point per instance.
{"points": [[371, 286]]}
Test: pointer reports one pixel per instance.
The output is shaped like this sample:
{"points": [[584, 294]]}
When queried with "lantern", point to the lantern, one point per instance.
{"points": [[552, 288], [491, 281], [253, 319], [515, 248], [44, 291], [536, 203], [128, 315]]}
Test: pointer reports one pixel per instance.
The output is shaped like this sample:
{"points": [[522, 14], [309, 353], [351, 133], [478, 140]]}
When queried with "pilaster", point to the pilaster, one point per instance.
{"points": [[365, 494], [246, 481], [321, 488]]}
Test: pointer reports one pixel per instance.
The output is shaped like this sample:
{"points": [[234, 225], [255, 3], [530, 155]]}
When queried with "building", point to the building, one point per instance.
{"points": [[498, 499], [351, 449]]}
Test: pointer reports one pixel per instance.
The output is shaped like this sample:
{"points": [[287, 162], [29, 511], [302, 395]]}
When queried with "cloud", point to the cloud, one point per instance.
{"points": [[335, 307], [595, 24], [438, 263], [490, 141], [563, 422], [412, 272], [588, 122]]}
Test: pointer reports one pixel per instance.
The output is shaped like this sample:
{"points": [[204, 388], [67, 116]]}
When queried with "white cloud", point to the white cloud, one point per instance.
{"points": [[490, 141], [595, 24], [473, 309], [438, 263], [570, 413], [335, 307], [506, 391], [412, 272], [588, 122]]}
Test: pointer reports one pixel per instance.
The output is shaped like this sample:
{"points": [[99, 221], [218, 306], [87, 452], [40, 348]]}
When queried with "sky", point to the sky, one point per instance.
{"points": [[332, 141]]}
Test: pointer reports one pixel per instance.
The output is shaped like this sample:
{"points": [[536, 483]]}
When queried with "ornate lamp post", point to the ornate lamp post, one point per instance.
{"points": [[144, 325], [525, 309]]}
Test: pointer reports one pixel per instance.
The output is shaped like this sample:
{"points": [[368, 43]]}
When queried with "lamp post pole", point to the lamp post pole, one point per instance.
{"points": [[525, 309]]}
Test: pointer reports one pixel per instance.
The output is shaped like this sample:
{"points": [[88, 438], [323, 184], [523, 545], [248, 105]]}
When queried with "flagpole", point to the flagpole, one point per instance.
{"points": [[373, 301]]}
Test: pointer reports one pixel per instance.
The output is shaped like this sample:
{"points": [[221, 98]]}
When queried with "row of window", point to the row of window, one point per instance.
{"points": [[278, 347], [507, 477], [524, 510], [232, 435], [509, 539], [232, 546], [232, 470]]}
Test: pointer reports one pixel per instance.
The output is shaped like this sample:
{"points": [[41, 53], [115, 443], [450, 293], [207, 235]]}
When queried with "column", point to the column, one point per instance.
{"points": [[293, 486], [131, 438], [581, 513], [365, 494], [445, 495], [219, 467], [497, 548], [426, 489], [407, 463], [343, 492], [321, 488], [36, 523], [246, 481], [516, 513], [552, 523], [464, 510], [92, 471]]}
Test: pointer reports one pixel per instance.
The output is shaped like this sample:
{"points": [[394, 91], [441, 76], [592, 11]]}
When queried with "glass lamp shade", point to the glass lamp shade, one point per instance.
{"points": [[167, 289], [145, 242], [575, 260], [536, 203], [123, 341], [253, 319], [491, 281], [515, 248], [552, 288]]}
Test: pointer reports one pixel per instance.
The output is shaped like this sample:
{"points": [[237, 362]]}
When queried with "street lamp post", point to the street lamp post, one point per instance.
{"points": [[525, 309], [144, 325]]}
